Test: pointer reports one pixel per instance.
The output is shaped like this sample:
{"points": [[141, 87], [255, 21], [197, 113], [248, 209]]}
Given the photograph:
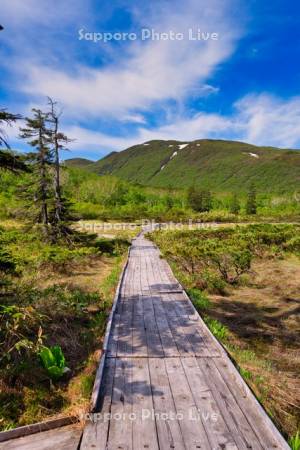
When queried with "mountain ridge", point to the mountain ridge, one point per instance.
{"points": [[213, 164]]}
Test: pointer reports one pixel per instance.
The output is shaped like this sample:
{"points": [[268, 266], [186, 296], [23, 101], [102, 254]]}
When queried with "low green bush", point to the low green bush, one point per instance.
{"points": [[7, 262]]}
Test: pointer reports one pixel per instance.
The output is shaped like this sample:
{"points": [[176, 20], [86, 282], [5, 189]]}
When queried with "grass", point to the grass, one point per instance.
{"points": [[200, 299], [294, 441], [202, 303], [217, 328]]}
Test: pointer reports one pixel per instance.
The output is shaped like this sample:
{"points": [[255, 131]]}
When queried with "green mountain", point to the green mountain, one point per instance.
{"points": [[214, 164], [78, 162]]}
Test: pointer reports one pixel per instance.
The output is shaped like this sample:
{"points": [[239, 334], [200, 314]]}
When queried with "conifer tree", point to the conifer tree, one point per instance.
{"points": [[251, 205], [8, 160], [235, 204], [199, 200], [39, 137]]}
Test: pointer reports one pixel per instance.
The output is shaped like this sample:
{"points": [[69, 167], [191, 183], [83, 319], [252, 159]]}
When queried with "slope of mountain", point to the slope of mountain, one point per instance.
{"points": [[214, 164], [78, 162]]}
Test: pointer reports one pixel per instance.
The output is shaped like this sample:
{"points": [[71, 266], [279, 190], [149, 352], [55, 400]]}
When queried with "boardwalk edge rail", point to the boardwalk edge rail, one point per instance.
{"points": [[100, 370], [37, 428]]}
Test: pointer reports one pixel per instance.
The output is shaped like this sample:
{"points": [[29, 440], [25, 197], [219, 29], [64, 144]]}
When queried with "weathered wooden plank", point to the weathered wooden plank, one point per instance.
{"points": [[167, 339], [144, 427], [201, 343], [112, 346], [96, 432], [234, 417], [162, 333], [168, 427], [139, 337], [153, 338], [120, 429], [264, 428], [216, 429], [183, 343], [191, 426], [126, 317], [175, 340], [154, 344]]}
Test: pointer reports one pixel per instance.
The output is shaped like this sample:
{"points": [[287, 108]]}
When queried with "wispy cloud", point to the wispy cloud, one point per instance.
{"points": [[258, 119], [146, 73], [269, 120]]}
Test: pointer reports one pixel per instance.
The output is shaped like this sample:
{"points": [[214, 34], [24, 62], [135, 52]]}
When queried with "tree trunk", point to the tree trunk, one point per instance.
{"points": [[57, 188], [43, 182]]}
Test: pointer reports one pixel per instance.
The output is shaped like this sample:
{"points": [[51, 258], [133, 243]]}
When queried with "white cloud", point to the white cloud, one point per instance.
{"points": [[202, 126], [268, 120], [92, 140], [24, 13], [147, 73], [258, 119]]}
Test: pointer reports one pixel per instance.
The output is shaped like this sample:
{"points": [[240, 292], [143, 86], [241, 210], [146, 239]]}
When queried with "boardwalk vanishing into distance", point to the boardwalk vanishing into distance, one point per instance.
{"points": [[166, 382]]}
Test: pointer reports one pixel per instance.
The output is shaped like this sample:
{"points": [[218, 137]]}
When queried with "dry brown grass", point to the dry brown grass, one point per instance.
{"points": [[264, 320], [86, 275]]}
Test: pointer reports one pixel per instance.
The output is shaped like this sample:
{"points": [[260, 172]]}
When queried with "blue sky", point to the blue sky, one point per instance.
{"points": [[242, 85]]}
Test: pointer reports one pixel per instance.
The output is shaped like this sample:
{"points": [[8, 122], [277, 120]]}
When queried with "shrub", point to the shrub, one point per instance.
{"points": [[292, 245], [114, 247], [231, 262], [7, 262], [59, 258], [213, 282]]}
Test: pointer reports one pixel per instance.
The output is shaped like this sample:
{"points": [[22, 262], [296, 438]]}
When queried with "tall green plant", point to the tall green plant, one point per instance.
{"points": [[294, 441], [53, 361]]}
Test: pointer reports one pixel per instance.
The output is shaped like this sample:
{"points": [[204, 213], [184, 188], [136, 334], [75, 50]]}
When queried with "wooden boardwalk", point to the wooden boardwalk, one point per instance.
{"points": [[167, 383]]}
